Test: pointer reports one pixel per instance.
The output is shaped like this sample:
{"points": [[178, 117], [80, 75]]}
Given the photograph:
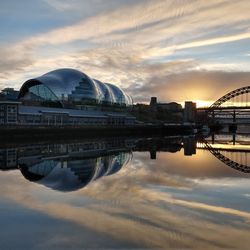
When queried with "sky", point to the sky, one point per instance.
{"points": [[176, 50]]}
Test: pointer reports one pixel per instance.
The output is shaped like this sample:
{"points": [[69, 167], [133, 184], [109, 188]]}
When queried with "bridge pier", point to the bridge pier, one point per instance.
{"points": [[234, 138], [153, 153], [213, 116], [234, 117], [213, 138], [232, 127]]}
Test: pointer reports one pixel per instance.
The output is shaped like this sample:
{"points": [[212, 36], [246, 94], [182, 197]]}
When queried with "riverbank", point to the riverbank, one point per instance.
{"points": [[45, 133]]}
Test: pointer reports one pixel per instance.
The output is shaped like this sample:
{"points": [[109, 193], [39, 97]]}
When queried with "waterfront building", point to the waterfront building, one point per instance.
{"points": [[72, 88], [67, 97]]}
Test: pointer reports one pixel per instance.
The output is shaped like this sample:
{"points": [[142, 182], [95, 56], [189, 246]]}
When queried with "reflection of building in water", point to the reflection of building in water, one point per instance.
{"points": [[154, 145], [71, 166], [8, 159], [68, 167], [189, 145], [72, 174], [168, 144]]}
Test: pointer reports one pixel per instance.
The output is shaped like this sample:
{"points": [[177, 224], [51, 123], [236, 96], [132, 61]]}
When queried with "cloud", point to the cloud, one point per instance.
{"points": [[199, 43], [191, 85], [16, 59], [60, 5], [135, 46], [13, 64], [141, 79], [150, 20]]}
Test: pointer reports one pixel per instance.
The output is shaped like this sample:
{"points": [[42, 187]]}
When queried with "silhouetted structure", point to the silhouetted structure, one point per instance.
{"points": [[9, 94], [171, 106], [189, 113], [153, 101]]}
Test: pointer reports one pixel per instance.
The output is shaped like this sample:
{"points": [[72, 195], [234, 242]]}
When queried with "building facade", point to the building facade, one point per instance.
{"points": [[9, 112], [16, 114]]}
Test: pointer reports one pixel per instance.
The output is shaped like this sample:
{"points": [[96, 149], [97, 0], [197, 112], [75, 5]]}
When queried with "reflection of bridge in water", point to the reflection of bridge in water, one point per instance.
{"points": [[71, 166], [236, 158]]}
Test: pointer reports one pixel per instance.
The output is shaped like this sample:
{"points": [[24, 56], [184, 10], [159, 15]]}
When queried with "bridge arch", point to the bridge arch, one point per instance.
{"points": [[229, 96]]}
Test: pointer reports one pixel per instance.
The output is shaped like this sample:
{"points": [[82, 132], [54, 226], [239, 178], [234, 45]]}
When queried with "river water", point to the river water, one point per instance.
{"points": [[129, 193]]}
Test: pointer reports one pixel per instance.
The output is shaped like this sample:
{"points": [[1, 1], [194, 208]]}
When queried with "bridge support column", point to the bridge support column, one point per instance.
{"points": [[234, 138], [213, 116], [212, 138], [234, 117], [153, 154], [232, 127]]}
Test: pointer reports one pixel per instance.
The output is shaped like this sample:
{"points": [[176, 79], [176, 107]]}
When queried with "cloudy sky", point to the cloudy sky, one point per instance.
{"points": [[175, 49]]}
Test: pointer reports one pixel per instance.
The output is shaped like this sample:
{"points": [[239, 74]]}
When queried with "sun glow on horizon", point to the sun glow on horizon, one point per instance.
{"points": [[203, 103], [199, 103]]}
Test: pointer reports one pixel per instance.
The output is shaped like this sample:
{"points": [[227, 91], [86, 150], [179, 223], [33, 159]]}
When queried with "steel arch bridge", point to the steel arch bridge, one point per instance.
{"points": [[229, 96], [239, 166]]}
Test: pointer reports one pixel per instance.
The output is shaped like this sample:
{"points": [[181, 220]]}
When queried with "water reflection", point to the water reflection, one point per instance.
{"points": [[67, 167], [183, 197], [72, 166]]}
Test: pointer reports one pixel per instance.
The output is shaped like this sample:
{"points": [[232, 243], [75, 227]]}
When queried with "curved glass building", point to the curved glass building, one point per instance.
{"points": [[72, 86]]}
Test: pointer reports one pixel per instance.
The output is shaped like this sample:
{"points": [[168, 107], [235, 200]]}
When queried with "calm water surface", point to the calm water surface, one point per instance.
{"points": [[171, 192]]}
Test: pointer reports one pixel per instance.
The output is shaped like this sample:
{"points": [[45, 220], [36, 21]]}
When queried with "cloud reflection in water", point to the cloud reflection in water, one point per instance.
{"points": [[148, 203]]}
